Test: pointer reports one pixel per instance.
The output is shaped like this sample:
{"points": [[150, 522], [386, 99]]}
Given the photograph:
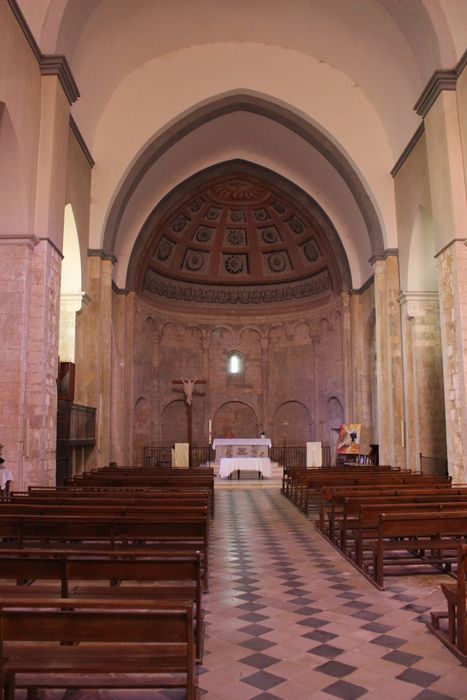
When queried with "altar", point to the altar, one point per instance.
{"points": [[242, 454], [229, 465]]}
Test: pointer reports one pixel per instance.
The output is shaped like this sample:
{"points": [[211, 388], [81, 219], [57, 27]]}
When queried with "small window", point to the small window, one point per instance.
{"points": [[235, 364], [235, 367]]}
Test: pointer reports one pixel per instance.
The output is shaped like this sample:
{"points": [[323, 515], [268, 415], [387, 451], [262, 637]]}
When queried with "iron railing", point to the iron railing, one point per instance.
{"points": [[161, 457], [289, 456]]}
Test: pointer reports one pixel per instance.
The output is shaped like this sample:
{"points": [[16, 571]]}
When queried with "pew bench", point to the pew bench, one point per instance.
{"points": [[403, 539], [359, 523], [158, 530], [335, 502], [307, 490], [47, 645], [170, 578]]}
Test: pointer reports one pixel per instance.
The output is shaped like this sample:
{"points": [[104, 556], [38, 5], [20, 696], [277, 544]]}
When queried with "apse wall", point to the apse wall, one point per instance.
{"points": [[291, 385]]}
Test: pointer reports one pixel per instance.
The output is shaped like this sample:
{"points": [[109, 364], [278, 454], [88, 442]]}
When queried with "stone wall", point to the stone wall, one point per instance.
{"points": [[292, 376]]}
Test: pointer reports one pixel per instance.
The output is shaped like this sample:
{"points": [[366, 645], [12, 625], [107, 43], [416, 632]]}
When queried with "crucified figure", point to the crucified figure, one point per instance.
{"points": [[188, 385]]}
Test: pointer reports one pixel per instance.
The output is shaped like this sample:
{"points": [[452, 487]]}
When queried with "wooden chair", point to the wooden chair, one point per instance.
{"points": [[455, 638]]}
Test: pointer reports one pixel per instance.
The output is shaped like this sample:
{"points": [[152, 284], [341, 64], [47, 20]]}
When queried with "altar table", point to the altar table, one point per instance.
{"points": [[262, 465]]}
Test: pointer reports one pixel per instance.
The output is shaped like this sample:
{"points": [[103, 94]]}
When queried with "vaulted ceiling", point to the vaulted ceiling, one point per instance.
{"points": [[237, 236], [320, 92]]}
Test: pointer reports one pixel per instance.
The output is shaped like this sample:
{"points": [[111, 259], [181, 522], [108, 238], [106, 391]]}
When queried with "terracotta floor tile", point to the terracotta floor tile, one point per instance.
{"points": [[271, 569]]}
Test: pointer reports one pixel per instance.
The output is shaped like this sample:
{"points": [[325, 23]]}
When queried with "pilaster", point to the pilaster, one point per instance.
{"points": [[122, 388], [264, 417], [389, 362], [423, 377], [349, 407], [93, 354], [452, 269], [52, 161], [444, 134]]}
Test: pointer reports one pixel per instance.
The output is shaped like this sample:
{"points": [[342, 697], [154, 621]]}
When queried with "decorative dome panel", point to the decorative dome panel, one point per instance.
{"points": [[237, 240]]}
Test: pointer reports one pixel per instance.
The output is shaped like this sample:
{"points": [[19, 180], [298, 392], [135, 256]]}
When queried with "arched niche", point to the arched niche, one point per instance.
{"points": [[173, 423], [235, 418], [293, 424]]}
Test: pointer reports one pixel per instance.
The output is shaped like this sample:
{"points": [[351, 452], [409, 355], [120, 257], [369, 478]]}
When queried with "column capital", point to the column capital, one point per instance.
{"points": [[19, 239], [415, 303]]}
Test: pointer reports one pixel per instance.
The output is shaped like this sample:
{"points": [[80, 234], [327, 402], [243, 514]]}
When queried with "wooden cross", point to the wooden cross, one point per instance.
{"points": [[188, 385]]}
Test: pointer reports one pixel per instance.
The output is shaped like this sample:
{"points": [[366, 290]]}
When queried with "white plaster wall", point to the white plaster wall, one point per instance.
{"points": [[202, 74], [20, 93]]}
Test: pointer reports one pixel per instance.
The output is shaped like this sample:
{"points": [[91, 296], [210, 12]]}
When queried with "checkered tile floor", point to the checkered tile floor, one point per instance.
{"points": [[288, 618]]}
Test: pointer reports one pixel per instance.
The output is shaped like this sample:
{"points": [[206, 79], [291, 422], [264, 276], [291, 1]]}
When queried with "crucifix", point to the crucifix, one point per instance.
{"points": [[188, 386]]}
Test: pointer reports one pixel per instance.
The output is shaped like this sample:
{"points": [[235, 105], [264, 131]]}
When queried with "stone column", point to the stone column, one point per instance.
{"points": [[423, 377], [38, 406], [17, 254], [264, 418], [358, 362], [452, 267], [205, 342], [318, 417], [93, 354], [122, 393], [389, 361], [156, 408], [447, 185], [346, 331]]}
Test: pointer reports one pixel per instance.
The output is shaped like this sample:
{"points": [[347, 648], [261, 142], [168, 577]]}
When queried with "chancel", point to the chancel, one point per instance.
{"points": [[244, 221]]}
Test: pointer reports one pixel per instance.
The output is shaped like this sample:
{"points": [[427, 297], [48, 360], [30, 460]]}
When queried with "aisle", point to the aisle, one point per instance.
{"points": [[287, 617]]}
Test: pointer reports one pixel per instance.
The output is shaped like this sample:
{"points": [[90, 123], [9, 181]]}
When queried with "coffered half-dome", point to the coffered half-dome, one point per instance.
{"points": [[238, 239]]}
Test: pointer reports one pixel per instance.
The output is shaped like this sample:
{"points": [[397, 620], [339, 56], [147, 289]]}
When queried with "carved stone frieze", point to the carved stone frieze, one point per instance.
{"points": [[317, 286]]}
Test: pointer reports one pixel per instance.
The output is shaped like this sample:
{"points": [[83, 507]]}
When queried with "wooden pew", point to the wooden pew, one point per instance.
{"points": [[157, 529], [364, 528], [156, 642], [141, 496], [140, 481], [310, 487], [333, 499], [361, 511], [172, 578], [430, 531], [455, 637]]}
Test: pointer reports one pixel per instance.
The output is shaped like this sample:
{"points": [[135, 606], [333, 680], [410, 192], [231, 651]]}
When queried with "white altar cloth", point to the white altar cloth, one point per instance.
{"points": [[314, 454], [5, 476], [241, 447], [257, 464]]}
